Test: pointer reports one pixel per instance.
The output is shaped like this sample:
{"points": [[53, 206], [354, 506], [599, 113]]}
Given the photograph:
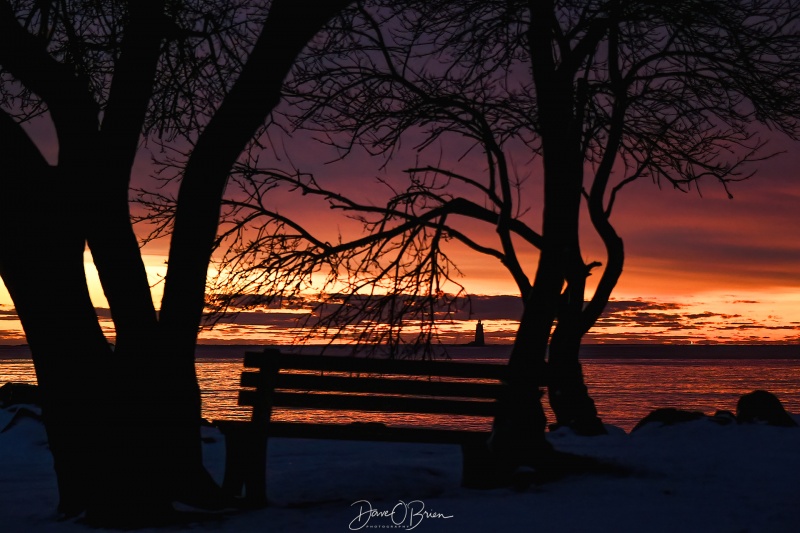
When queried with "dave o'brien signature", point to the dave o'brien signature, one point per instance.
{"points": [[406, 515]]}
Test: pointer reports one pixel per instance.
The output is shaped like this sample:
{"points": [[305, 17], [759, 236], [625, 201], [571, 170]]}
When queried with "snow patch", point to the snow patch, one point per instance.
{"points": [[692, 477]]}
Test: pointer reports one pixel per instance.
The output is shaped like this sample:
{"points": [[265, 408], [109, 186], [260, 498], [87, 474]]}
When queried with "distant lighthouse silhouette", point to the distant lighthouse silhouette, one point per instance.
{"points": [[478, 334]]}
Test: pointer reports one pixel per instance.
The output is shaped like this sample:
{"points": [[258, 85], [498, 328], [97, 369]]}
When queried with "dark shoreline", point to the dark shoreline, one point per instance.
{"points": [[588, 351]]}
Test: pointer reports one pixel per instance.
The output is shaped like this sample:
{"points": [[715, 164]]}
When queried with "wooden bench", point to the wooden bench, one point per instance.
{"points": [[273, 381]]}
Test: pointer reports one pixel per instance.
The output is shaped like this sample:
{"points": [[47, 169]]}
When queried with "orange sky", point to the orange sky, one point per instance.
{"points": [[735, 260]]}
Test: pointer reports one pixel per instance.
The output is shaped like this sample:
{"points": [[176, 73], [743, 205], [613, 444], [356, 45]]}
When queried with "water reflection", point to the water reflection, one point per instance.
{"points": [[625, 390]]}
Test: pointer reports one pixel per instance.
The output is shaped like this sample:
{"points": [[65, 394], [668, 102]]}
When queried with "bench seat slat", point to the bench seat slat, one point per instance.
{"points": [[411, 387], [372, 432], [275, 359], [370, 403]]}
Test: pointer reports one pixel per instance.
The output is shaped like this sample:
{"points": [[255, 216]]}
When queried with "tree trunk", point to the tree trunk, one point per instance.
{"points": [[568, 394], [41, 263], [519, 430], [67, 344], [289, 26], [89, 395], [523, 417], [68, 348]]}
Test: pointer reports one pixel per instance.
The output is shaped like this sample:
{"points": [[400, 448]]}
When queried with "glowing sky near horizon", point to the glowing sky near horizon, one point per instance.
{"points": [[725, 269]]}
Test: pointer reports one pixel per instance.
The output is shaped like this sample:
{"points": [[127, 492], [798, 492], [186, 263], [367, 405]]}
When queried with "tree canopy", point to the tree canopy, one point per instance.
{"points": [[589, 97]]}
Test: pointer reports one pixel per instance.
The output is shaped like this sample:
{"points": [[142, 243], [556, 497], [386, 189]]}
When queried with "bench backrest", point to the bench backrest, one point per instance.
{"points": [[293, 381]]}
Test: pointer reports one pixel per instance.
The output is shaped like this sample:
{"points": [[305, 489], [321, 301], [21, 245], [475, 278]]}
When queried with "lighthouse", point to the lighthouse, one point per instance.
{"points": [[478, 334]]}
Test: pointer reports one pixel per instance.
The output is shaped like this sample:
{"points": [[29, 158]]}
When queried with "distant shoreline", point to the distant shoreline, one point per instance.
{"points": [[588, 351]]}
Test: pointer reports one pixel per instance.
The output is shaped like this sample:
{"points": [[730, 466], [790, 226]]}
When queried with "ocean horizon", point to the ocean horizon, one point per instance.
{"points": [[499, 351], [627, 381]]}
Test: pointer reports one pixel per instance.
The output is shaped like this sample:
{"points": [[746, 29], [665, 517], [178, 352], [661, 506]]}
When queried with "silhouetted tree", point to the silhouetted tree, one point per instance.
{"points": [[597, 94], [107, 75]]}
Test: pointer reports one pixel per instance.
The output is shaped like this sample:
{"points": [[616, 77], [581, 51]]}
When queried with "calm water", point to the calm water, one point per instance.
{"points": [[624, 388]]}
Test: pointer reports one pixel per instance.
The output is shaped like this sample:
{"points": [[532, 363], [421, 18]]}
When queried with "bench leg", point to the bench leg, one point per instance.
{"points": [[246, 463], [255, 480], [233, 482]]}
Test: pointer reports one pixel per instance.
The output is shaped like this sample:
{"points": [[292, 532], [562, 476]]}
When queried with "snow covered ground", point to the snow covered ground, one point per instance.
{"points": [[691, 477]]}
